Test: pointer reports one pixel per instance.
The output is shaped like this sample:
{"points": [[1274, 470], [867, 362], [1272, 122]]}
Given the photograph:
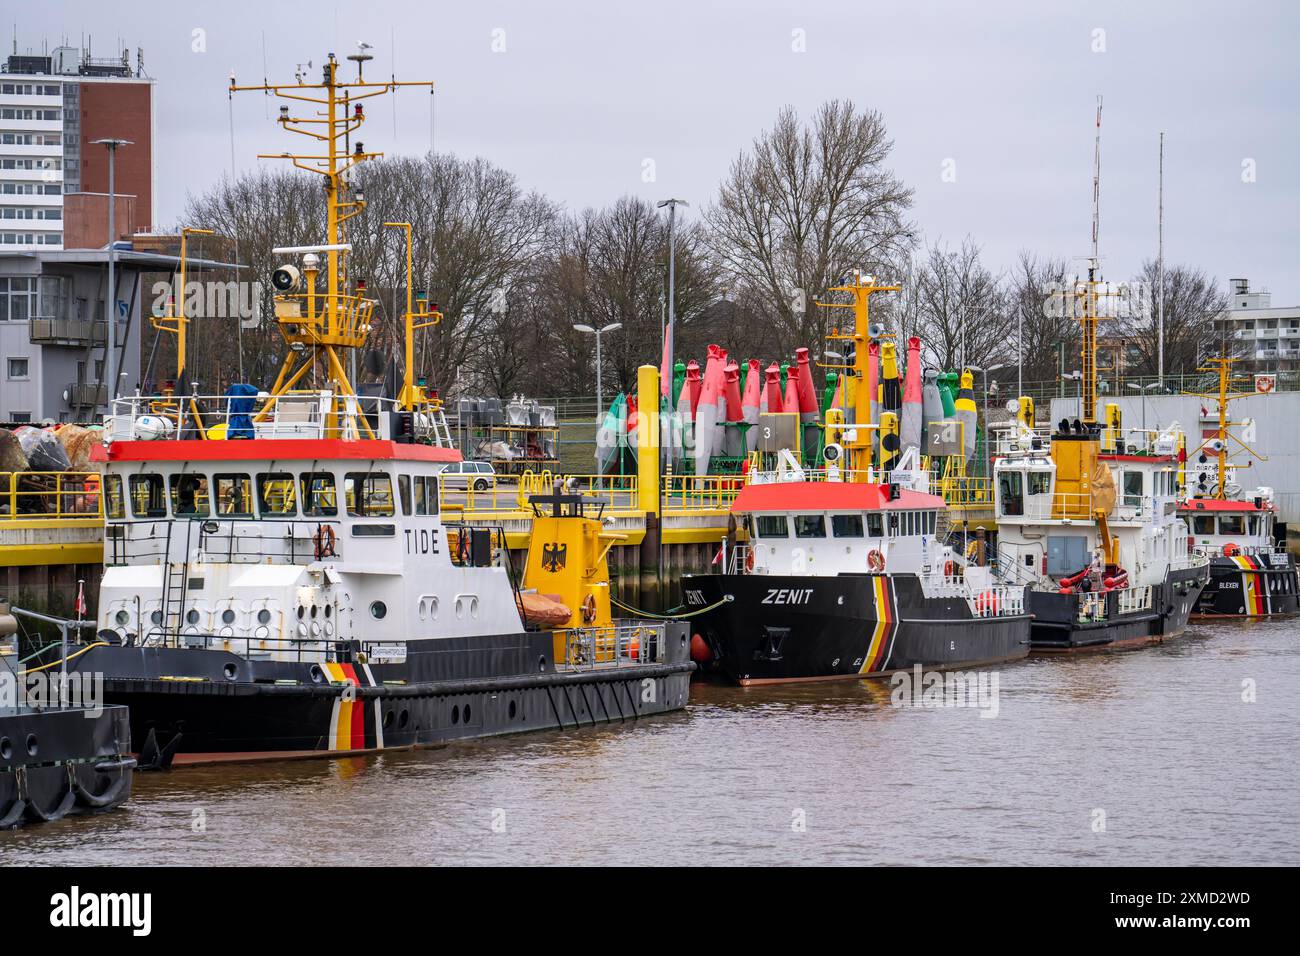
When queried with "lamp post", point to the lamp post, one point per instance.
{"points": [[612, 327], [110, 350]]}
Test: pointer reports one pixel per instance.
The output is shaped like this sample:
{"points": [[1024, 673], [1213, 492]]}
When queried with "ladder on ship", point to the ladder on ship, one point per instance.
{"points": [[176, 576]]}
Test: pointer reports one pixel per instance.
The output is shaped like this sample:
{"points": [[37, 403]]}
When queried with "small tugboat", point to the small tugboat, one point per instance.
{"points": [[1094, 530], [280, 580], [1250, 575], [61, 754], [844, 575]]}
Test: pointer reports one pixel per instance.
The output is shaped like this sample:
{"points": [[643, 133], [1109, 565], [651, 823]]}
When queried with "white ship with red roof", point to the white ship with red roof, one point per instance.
{"points": [[279, 579], [846, 572], [1251, 574]]}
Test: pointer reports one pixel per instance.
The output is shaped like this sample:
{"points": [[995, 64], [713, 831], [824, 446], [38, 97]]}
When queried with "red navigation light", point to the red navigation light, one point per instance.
{"points": [[361, 285]]}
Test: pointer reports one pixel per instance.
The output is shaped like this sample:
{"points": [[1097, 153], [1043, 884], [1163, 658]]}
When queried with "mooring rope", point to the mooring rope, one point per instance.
{"points": [[727, 599]]}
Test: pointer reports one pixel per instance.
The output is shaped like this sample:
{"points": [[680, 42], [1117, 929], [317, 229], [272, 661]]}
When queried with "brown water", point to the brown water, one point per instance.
{"points": [[1159, 739]]}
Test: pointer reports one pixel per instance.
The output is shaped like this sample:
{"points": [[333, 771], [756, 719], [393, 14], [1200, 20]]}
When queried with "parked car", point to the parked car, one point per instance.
{"points": [[464, 475]]}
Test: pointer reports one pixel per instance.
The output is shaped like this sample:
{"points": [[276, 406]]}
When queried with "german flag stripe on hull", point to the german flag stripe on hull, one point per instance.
{"points": [[355, 724], [882, 633], [1252, 588]]}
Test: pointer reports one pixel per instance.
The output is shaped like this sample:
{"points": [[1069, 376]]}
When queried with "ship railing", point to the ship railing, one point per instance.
{"points": [[226, 540], [612, 645], [962, 491], [1190, 559], [740, 560], [1078, 506], [311, 649], [1248, 550], [1001, 600], [311, 414], [1128, 600], [1010, 439], [50, 495]]}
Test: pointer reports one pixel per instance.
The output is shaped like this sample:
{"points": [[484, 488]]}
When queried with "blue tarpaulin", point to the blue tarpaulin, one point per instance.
{"points": [[239, 421]]}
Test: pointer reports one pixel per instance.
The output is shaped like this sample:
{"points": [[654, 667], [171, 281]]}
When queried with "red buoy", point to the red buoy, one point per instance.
{"points": [[700, 652]]}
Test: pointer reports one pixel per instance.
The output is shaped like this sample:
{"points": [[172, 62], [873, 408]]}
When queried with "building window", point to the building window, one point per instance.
{"points": [[18, 368], [20, 418]]}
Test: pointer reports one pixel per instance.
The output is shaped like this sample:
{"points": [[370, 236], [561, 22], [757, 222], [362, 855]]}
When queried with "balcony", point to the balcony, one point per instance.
{"points": [[74, 332], [87, 394]]}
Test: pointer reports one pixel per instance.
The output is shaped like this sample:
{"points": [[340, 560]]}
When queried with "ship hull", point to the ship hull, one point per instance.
{"points": [[1057, 626], [1250, 586], [796, 628], [212, 705]]}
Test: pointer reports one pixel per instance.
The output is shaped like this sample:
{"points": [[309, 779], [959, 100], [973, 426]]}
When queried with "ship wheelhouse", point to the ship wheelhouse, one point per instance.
{"points": [[829, 528], [280, 548], [1230, 526]]}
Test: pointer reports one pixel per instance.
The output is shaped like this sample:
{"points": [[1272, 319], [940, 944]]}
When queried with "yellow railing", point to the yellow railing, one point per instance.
{"points": [[700, 494], [965, 492], [50, 495]]}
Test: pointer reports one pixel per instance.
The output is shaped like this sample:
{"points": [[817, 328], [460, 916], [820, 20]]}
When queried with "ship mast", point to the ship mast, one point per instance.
{"points": [[315, 326], [861, 288], [1221, 366]]}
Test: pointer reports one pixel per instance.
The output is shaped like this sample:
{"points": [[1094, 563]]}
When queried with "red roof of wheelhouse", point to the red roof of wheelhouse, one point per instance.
{"points": [[828, 496]]}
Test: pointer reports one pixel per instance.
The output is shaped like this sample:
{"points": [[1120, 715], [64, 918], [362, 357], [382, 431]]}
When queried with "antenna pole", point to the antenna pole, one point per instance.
{"points": [[1160, 274]]}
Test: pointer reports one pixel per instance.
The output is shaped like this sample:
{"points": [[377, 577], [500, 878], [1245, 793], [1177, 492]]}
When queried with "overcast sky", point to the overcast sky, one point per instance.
{"points": [[584, 93]]}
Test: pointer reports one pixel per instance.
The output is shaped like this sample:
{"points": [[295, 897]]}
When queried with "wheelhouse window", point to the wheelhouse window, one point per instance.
{"points": [[1133, 489], [846, 526], [773, 526], [114, 506], [426, 495], [810, 526], [234, 495], [276, 497], [190, 495], [404, 492], [875, 525], [1040, 482], [148, 498], [319, 498], [1011, 493], [1203, 524], [369, 493], [1232, 524]]}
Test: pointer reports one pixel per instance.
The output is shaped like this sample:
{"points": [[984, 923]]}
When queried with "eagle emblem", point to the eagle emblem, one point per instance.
{"points": [[553, 556]]}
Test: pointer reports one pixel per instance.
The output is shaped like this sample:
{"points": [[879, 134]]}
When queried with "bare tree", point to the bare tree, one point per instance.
{"points": [[1048, 331], [1194, 308], [802, 208]]}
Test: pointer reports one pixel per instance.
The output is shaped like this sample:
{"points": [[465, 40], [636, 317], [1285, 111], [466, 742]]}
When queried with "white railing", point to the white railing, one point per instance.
{"points": [[614, 645], [1129, 600], [299, 414], [998, 601]]}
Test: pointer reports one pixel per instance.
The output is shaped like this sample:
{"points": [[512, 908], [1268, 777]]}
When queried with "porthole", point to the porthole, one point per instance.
{"points": [[317, 675], [403, 719], [301, 611], [156, 617], [192, 616], [228, 616], [541, 663], [32, 748], [231, 671], [460, 608], [455, 713], [262, 633], [6, 748], [423, 609], [314, 609], [315, 629], [473, 608], [378, 610], [388, 720], [264, 616], [328, 609], [433, 608], [467, 713], [302, 628], [121, 617]]}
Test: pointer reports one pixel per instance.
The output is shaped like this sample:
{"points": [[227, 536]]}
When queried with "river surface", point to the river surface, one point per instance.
{"points": [[1141, 757]]}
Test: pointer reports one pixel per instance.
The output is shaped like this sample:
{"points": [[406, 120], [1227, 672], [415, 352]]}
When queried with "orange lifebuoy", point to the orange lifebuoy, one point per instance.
{"points": [[875, 560], [1230, 549], [324, 539], [589, 608], [749, 559]]}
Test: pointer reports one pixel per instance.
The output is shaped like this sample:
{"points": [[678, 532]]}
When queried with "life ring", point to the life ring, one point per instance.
{"points": [[875, 560], [949, 569], [324, 539], [589, 608], [1230, 549], [749, 559], [462, 548]]}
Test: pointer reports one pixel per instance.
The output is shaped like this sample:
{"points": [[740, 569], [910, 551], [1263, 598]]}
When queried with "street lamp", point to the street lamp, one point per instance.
{"points": [[110, 358], [612, 327]]}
